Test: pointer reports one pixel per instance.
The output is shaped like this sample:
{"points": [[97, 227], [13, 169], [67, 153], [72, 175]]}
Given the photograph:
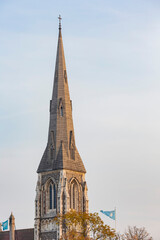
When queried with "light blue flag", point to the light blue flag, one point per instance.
{"points": [[111, 214], [5, 225]]}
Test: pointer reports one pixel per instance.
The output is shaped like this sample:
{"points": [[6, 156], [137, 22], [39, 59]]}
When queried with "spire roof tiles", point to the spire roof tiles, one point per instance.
{"points": [[61, 151]]}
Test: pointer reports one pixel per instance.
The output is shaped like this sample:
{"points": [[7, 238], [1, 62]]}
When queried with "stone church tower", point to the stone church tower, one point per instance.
{"points": [[61, 184]]}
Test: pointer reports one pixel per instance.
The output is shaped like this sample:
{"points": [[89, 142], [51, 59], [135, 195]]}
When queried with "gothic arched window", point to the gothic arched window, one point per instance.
{"points": [[52, 196], [74, 195]]}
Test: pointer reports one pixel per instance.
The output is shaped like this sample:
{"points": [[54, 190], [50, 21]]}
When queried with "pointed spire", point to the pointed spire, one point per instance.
{"points": [[61, 151]]}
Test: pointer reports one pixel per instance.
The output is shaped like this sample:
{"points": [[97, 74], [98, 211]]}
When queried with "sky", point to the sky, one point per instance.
{"points": [[112, 51]]}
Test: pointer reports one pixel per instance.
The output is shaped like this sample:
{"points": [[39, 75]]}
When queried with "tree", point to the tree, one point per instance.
{"points": [[84, 226], [134, 233]]}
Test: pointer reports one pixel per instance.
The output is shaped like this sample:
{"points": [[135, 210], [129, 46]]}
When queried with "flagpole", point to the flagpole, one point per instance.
{"points": [[115, 218]]}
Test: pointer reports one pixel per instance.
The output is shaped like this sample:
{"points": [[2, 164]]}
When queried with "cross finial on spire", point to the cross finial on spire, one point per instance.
{"points": [[59, 21]]}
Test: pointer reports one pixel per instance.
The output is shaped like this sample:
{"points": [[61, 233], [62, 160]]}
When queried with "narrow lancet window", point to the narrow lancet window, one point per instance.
{"points": [[50, 196], [55, 198], [61, 111], [63, 203], [74, 196]]}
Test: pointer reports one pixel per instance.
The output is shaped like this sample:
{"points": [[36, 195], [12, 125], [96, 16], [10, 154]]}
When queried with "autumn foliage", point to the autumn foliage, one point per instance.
{"points": [[83, 226]]}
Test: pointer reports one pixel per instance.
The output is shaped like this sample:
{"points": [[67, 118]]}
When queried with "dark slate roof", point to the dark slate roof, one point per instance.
{"points": [[61, 137], [4, 235], [22, 234]]}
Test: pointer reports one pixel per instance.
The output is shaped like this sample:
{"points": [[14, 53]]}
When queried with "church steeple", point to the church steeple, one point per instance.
{"points": [[61, 184], [61, 151]]}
